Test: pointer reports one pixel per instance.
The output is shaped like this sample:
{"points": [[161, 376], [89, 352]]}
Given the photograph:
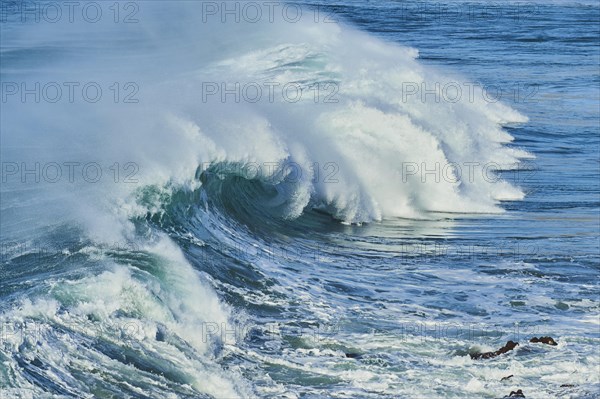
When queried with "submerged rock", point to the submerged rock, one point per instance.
{"points": [[544, 340], [510, 345]]}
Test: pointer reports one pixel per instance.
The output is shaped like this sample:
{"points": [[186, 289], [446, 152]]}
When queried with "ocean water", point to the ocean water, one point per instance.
{"points": [[325, 199]]}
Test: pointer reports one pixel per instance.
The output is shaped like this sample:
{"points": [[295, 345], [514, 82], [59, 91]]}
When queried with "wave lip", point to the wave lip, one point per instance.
{"points": [[384, 135]]}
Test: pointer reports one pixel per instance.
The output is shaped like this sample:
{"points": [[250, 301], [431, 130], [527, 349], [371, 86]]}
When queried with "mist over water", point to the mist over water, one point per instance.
{"points": [[202, 204]]}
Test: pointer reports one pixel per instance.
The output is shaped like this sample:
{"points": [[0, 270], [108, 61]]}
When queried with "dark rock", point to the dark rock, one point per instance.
{"points": [[516, 394], [352, 355], [544, 340], [507, 378], [510, 345]]}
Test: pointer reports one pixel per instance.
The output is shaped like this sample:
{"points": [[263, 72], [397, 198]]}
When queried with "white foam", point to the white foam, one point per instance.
{"points": [[371, 132], [132, 304]]}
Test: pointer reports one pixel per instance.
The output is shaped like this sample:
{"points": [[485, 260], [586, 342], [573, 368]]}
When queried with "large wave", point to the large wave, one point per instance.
{"points": [[327, 115], [340, 126]]}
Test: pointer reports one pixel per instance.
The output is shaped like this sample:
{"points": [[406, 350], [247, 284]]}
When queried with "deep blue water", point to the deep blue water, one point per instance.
{"points": [[211, 285]]}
